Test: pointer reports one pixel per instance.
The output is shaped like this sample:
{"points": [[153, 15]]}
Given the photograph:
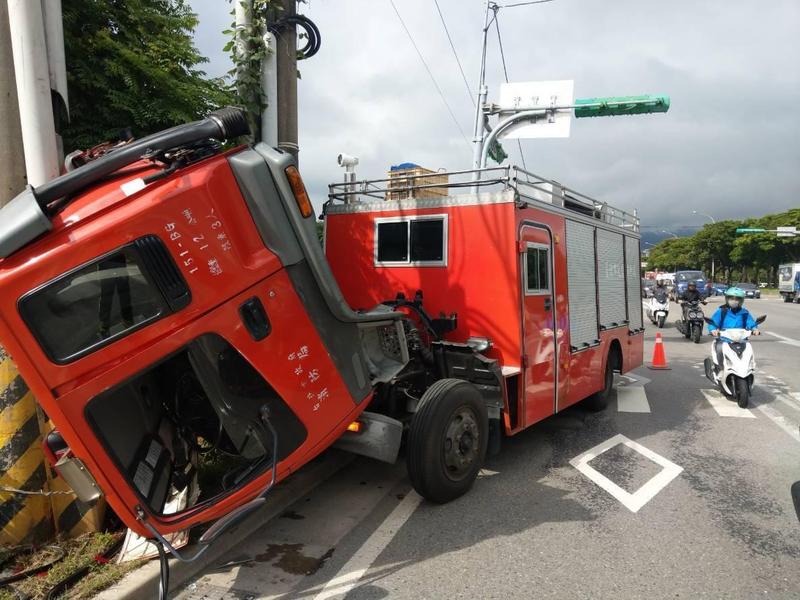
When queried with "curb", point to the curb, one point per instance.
{"points": [[142, 584]]}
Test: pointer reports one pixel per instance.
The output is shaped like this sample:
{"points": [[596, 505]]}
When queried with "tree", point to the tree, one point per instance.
{"points": [[132, 63]]}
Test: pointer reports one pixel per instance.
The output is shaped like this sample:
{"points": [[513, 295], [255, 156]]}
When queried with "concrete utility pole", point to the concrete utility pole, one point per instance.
{"points": [[12, 175], [286, 60]]}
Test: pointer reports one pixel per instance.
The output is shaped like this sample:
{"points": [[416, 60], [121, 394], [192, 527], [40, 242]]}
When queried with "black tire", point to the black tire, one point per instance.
{"points": [[599, 401], [787, 298], [439, 470], [661, 320], [697, 333], [742, 391]]}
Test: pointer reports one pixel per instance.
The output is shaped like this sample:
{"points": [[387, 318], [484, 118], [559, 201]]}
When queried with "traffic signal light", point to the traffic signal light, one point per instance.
{"points": [[613, 106]]}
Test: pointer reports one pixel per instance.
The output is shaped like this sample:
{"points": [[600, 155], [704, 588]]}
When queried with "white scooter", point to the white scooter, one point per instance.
{"points": [[658, 309], [735, 376]]}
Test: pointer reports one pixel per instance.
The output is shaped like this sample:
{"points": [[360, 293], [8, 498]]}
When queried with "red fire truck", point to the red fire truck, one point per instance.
{"points": [[171, 308]]}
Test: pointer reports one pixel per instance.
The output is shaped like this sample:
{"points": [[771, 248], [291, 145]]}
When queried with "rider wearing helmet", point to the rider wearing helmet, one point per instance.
{"points": [[731, 315], [692, 294], [660, 290]]}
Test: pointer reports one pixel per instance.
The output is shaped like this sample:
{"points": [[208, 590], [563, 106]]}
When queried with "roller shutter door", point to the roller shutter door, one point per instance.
{"points": [[581, 279], [633, 264], [611, 278]]}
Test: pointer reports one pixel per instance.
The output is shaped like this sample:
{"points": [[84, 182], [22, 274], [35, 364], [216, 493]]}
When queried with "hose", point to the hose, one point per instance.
{"points": [[312, 34]]}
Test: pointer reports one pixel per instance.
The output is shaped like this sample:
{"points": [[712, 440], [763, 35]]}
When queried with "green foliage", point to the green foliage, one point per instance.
{"points": [[248, 49], [732, 253], [132, 63]]}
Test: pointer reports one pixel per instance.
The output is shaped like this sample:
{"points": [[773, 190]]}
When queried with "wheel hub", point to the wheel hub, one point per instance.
{"points": [[461, 443]]}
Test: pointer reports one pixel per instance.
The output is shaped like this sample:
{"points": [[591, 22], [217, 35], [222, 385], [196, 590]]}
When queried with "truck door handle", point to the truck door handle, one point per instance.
{"points": [[255, 318], [548, 303]]}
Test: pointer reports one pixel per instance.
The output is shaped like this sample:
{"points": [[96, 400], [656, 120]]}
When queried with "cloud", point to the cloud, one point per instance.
{"points": [[730, 144]]}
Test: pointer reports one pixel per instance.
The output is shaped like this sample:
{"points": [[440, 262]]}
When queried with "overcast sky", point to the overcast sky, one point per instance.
{"points": [[729, 146]]}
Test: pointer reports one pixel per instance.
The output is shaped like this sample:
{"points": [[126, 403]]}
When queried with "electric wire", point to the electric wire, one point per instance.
{"points": [[430, 73], [525, 3], [505, 73], [455, 54]]}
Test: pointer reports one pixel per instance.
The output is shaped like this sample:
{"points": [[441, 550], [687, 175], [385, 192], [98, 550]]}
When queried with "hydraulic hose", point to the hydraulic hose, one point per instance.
{"points": [[226, 123]]}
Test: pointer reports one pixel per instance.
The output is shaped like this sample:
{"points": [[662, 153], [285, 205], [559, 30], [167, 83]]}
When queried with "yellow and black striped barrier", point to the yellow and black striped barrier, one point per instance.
{"points": [[25, 512], [34, 505]]}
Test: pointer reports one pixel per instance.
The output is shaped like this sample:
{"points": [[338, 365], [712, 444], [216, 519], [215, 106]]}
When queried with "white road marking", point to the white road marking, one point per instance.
{"points": [[644, 494], [784, 339], [632, 399], [781, 421], [725, 407], [350, 574]]}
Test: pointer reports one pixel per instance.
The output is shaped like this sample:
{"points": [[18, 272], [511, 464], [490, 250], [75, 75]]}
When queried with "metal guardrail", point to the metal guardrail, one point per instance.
{"points": [[530, 188]]}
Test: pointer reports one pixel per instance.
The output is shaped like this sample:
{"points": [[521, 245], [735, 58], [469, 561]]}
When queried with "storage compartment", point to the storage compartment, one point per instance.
{"points": [[193, 423]]}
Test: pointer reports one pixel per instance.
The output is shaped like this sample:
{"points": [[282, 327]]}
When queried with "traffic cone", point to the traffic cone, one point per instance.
{"points": [[659, 356]]}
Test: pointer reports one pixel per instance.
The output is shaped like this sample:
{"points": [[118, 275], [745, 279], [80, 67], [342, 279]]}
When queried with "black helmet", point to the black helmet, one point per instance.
{"points": [[691, 284]]}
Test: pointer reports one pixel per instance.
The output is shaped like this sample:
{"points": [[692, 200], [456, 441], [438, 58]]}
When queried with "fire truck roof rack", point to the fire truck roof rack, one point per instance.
{"points": [[530, 188]]}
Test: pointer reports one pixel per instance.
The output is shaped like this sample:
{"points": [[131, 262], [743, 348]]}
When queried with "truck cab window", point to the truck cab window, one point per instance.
{"points": [[418, 241], [537, 274]]}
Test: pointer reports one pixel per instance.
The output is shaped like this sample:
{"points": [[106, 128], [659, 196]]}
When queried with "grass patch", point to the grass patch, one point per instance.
{"points": [[80, 552]]}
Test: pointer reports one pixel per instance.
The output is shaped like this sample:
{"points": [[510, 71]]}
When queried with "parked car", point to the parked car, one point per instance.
{"points": [[750, 290], [647, 288], [719, 288]]}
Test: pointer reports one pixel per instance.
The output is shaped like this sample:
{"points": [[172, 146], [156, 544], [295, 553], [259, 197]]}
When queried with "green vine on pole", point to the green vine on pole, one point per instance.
{"points": [[247, 49]]}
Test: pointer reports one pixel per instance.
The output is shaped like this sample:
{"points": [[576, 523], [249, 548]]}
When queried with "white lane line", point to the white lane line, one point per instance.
{"points": [[784, 339], [780, 421], [350, 574], [644, 494], [725, 407], [632, 399]]}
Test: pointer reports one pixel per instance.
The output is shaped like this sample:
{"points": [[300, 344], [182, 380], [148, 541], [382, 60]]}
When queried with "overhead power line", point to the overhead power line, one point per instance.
{"points": [[525, 3], [430, 73], [455, 54]]}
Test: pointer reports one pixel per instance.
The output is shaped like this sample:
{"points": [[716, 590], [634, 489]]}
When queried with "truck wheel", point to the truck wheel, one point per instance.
{"points": [[599, 401], [447, 440], [787, 298]]}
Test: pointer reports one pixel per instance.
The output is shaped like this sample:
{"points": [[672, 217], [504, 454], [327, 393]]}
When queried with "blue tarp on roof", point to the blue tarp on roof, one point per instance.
{"points": [[403, 166]]}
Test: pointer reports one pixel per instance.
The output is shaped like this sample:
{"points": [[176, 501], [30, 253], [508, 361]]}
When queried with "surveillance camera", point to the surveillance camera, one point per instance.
{"points": [[345, 160]]}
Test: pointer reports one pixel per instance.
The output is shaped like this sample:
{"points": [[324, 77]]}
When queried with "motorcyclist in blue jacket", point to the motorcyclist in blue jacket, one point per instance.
{"points": [[731, 315]]}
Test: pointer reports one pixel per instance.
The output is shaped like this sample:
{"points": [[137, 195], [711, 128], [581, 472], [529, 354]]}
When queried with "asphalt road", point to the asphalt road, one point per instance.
{"points": [[689, 500]]}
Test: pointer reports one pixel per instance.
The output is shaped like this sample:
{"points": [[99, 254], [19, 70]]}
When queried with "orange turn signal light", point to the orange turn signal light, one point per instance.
{"points": [[299, 191], [355, 427]]}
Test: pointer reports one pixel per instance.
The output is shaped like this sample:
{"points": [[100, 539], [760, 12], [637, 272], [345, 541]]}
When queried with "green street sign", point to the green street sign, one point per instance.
{"points": [[749, 230], [614, 106]]}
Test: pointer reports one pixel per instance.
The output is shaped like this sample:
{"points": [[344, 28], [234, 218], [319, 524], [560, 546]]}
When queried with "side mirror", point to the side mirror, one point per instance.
{"points": [[761, 319], [796, 497]]}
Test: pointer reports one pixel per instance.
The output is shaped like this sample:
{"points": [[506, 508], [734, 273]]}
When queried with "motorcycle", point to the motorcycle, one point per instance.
{"points": [[692, 319], [734, 377], [658, 309]]}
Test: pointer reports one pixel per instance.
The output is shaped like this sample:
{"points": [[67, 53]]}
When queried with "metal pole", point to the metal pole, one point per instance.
{"points": [[525, 115], [12, 175], [26, 23], [269, 86], [286, 62], [477, 135]]}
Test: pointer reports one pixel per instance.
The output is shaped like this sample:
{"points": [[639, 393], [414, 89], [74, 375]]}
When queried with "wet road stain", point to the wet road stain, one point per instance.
{"points": [[293, 515], [291, 559]]}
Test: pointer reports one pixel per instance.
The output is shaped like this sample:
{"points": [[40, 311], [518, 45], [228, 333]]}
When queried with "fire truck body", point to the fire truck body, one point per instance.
{"points": [[173, 312], [547, 276]]}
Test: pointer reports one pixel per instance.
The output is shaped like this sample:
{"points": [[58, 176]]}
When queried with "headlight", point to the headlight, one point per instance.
{"points": [[694, 314]]}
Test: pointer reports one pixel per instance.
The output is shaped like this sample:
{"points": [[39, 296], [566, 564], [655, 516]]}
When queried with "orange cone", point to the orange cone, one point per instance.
{"points": [[659, 356]]}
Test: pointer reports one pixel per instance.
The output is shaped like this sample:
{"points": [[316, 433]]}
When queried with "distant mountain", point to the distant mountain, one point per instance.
{"points": [[654, 234]]}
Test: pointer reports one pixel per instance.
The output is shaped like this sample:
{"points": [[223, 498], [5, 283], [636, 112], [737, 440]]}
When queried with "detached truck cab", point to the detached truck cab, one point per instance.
{"points": [[171, 308]]}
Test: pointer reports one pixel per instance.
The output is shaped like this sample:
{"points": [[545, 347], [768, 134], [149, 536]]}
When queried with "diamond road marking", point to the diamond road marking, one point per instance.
{"points": [[632, 399], [725, 407], [644, 494]]}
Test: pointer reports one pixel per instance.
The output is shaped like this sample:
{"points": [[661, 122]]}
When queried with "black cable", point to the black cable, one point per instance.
{"points": [[505, 72], [163, 580], [455, 54], [313, 36]]}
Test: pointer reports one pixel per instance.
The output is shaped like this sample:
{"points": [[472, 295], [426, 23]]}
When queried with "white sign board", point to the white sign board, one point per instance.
{"points": [[787, 231], [537, 94]]}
